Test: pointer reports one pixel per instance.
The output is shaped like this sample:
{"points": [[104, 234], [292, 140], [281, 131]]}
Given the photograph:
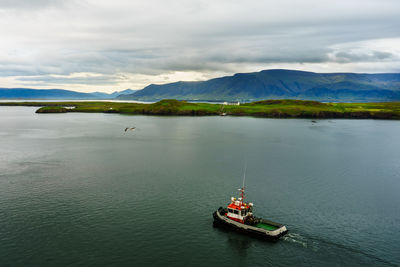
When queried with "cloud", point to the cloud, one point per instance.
{"points": [[76, 78], [372, 56], [31, 4], [46, 43]]}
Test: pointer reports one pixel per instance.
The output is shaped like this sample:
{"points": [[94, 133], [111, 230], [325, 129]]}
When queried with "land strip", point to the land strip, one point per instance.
{"points": [[266, 108]]}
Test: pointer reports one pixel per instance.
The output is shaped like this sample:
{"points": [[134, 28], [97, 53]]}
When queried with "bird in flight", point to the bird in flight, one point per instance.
{"points": [[130, 128]]}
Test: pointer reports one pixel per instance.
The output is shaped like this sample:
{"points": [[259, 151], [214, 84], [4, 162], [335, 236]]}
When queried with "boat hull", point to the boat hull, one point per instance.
{"points": [[222, 221]]}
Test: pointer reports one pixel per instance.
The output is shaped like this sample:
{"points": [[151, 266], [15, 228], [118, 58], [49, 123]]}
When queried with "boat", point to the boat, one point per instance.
{"points": [[238, 216]]}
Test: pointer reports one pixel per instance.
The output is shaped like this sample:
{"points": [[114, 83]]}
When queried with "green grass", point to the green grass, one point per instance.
{"points": [[52, 109], [266, 108]]}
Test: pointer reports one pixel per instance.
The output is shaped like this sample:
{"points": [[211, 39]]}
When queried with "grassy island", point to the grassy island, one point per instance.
{"points": [[52, 109], [266, 108]]}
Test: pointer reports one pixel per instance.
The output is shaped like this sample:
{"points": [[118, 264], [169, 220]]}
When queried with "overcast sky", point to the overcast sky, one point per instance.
{"points": [[99, 45]]}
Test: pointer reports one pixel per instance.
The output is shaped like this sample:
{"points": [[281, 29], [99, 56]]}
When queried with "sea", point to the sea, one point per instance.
{"points": [[79, 189]]}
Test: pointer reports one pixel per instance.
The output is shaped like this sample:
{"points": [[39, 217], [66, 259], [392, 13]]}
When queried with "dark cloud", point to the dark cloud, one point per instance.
{"points": [[371, 56], [45, 38], [50, 80]]}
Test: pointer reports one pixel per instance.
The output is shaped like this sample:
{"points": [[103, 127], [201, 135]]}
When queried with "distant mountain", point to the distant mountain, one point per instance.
{"points": [[27, 93], [280, 84], [115, 94], [124, 92]]}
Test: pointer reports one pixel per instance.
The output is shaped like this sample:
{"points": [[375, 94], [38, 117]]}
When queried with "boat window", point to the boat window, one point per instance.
{"points": [[236, 211], [230, 211]]}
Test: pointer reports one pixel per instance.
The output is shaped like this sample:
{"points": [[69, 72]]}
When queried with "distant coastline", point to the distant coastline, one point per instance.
{"points": [[265, 108], [244, 87]]}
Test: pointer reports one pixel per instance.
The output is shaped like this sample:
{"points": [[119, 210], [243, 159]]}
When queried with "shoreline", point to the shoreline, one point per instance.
{"points": [[266, 108]]}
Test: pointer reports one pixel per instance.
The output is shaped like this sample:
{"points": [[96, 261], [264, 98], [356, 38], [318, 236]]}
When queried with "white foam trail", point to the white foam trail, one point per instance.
{"points": [[296, 238]]}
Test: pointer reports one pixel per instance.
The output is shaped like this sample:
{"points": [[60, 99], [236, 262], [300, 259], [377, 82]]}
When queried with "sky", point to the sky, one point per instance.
{"points": [[98, 45]]}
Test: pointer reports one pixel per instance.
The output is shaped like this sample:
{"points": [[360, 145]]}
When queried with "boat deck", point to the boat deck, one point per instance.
{"points": [[266, 226]]}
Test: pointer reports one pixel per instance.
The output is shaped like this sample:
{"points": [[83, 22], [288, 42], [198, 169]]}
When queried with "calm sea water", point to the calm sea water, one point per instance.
{"points": [[76, 189]]}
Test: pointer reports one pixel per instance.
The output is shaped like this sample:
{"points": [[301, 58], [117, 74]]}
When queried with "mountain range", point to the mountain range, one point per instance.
{"points": [[266, 84], [27, 93], [279, 84]]}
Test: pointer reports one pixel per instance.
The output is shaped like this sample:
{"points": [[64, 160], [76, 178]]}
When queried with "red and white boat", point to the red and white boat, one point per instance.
{"points": [[238, 215]]}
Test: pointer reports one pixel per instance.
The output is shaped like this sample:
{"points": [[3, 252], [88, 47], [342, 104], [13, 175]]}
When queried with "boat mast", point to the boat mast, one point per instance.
{"points": [[244, 179]]}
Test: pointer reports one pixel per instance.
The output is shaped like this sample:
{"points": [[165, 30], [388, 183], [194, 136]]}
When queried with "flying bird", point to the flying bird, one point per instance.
{"points": [[130, 128]]}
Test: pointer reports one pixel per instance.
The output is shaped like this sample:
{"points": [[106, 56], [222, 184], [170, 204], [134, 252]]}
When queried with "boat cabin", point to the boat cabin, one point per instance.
{"points": [[239, 210]]}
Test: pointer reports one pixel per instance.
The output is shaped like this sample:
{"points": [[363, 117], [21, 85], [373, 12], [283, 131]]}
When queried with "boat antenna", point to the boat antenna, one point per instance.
{"points": [[244, 172], [244, 179]]}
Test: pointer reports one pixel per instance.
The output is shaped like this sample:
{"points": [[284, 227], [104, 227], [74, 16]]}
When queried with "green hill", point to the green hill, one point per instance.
{"points": [[283, 108]]}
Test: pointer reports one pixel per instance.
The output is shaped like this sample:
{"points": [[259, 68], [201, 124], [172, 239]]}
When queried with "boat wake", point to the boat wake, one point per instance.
{"points": [[316, 243], [296, 239]]}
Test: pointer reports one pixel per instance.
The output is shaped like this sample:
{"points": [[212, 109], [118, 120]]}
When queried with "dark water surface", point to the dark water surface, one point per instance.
{"points": [[75, 189]]}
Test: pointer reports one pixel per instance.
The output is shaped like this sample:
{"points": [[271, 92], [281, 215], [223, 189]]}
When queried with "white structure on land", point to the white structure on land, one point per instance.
{"points": [[232, 103]]}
